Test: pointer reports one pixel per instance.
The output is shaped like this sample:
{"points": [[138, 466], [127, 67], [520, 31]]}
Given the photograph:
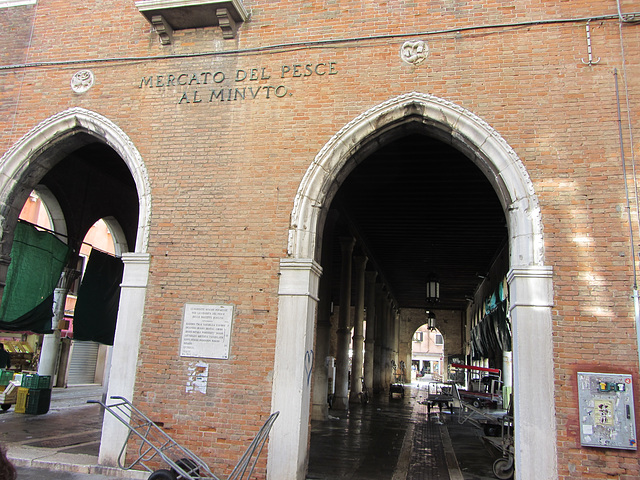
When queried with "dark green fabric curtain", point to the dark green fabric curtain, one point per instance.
{"points": [[98, 297], [492, 335], [37, 261]]}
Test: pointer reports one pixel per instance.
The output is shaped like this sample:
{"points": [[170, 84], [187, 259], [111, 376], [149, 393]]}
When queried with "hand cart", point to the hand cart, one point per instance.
{"points": [[486, 389], [503, 467], [438, 394], [155, 444]]}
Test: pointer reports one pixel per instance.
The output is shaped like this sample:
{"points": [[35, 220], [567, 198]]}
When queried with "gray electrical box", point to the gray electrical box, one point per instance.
{"points": [[607, 417]]}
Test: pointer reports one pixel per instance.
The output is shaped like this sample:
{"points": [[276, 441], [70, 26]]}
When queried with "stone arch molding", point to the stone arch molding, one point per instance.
{"points": [[18, 164], [529, 279], [455, 125], [48, 133]]}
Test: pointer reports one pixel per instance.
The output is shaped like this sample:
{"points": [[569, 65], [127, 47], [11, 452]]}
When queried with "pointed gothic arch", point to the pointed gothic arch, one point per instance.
{"points": [[21, 167], [529, 278]]}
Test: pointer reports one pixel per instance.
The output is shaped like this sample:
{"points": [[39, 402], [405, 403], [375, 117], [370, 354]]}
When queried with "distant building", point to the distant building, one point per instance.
{"points": [[261, 164], [428, 352]]}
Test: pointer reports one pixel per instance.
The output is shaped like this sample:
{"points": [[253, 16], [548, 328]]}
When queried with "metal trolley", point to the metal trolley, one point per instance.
{"points": [[154, 444]]}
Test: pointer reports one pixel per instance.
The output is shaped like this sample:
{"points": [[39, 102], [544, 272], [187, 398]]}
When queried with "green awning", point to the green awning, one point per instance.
{"points": [[37, 261]]}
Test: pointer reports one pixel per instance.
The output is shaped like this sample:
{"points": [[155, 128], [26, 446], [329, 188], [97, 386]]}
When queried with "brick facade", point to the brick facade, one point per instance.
{"points": [[225, 158]]}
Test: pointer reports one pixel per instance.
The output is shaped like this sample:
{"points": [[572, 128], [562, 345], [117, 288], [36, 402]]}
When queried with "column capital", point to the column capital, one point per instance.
{"points": [[136, 270], [299, 277], [347, 243], [530, 286], [360, 260]]}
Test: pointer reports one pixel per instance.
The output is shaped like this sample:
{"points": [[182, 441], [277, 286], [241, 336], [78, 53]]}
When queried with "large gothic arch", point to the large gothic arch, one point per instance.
{"points": [[529, 278], [21, 167]]}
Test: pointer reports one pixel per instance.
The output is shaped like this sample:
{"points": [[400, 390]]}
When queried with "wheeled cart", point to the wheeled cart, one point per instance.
{"points": [[503, 467], [154, 444]]}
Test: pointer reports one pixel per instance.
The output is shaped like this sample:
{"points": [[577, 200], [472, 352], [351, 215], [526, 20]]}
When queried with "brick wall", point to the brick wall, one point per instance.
{"points": [[224, 172]]}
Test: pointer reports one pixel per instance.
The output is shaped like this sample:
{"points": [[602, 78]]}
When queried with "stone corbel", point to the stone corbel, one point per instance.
{"points": [[227, 23], [163, 29]]}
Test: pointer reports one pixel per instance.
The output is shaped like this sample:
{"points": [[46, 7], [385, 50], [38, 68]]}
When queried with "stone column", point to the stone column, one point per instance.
{"points": [[370, 340], [358, 330], [126, 345], [531, 302], [378, 352], [396, 340], [320, 391], [388, 341], [291, 395], [51, 342], [341, 397]]}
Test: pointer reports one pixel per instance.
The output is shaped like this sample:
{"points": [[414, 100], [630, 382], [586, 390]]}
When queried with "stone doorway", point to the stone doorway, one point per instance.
{"points": [[529, 279]]}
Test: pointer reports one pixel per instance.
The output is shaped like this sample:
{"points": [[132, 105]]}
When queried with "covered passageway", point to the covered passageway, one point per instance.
{"points": [[417, 207]]}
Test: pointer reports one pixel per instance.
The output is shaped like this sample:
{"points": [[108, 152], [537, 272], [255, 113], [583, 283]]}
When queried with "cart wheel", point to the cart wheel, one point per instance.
{"points": [[491, 430], [5, 406], [476, 403], [162, 475], [503, 468]]}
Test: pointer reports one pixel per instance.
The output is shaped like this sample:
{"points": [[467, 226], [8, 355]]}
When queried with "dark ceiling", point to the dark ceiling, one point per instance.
{"points": [[420, 206], [92, 183], [416, 205]]}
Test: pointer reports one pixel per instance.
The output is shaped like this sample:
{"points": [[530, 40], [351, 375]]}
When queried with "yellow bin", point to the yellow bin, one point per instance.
{"points": [[21, 403]]}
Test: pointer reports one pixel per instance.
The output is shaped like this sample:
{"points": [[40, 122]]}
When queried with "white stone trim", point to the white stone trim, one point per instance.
{"points": [[56, 217], [530, 279], [531, 298], [17, 3], [288, 444], [126, 345]]}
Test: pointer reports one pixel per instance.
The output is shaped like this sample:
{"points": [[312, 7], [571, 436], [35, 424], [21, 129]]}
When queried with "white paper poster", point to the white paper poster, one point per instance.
{"points": [[198, 377]]}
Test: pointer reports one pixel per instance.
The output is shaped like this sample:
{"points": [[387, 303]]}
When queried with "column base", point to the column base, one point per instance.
{"points": [[354, 397], [320, 411], [340, 403]]}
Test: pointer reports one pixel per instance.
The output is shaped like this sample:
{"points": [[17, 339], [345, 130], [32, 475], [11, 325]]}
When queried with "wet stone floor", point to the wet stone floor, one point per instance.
{"points": [[397, 439]]}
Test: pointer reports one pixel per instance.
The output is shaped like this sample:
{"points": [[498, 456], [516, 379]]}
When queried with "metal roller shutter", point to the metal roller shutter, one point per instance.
{"points": [[82, 368]]}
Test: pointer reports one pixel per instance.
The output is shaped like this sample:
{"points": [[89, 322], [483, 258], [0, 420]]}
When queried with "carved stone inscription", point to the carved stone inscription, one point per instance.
{"points": [[206, 331], [193, 88]]}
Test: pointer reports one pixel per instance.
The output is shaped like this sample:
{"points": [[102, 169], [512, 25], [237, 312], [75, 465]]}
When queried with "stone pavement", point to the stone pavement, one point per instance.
{"points": [[388, 439], [61, 444], [397, 439]]}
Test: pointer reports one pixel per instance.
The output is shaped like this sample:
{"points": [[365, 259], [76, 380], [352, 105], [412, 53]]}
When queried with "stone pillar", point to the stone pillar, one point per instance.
{"points": [[378, 352], [396, 340], [341, 397], [291, 395], [126, 345], [320, 406], [388, 341], [370, 340], [51, 342], [357, 361], [531, 301], [507, 378]]}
